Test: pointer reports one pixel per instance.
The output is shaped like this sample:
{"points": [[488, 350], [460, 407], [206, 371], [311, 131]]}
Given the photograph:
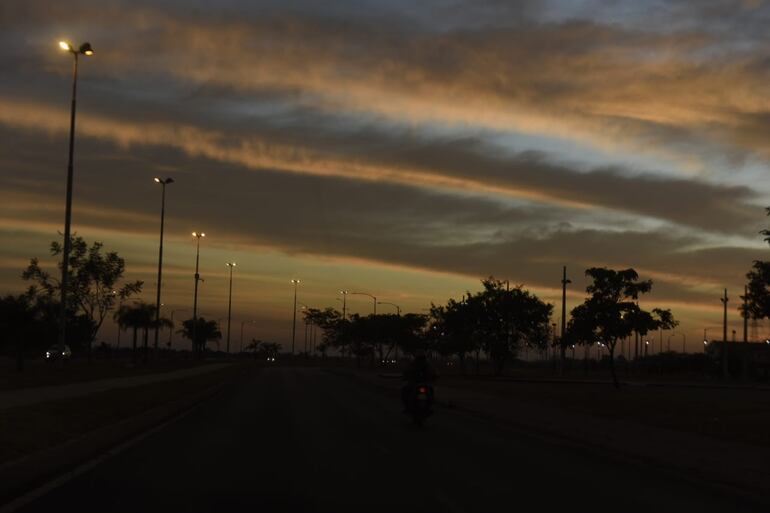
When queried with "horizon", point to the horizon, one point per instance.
{"points": [[403, 151]]}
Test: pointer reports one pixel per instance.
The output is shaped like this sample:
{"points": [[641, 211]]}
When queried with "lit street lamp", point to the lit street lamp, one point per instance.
{"points": [[198, 236], [231, 265], [160, 255], [305, 307], [344, 303], [294, 319], [84, 49]]}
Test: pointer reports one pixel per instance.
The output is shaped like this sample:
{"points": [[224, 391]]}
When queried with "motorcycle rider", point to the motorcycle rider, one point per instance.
{"points": [[418, 371]]}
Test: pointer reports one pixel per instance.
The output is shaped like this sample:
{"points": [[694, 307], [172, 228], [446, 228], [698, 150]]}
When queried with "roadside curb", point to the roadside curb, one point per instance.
{"points": [[24, 475]]}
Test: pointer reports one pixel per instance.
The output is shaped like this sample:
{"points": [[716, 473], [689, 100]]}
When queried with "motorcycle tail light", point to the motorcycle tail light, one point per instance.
{"points": [[423, 390]]}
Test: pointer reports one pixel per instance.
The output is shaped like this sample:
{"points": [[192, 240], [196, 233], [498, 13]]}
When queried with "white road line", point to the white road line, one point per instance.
{"points": [[32, 495]]}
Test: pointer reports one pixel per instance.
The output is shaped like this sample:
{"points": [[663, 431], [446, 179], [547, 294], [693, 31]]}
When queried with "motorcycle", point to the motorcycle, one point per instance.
{"points": [[420, 404]]}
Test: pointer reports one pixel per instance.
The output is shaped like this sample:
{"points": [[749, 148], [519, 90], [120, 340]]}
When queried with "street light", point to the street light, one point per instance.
{"points": [[163, 183], [398, 308], [305, 307], [231, 265], [294, 319], [85, 49], [371, 296], [198, 236], [344, 303]]}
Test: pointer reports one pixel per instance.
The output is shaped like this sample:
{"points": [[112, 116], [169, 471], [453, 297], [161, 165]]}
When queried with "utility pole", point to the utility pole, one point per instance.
{"points": [[724, 336], [294, 318], [745, 313], [231, 265], [562, 348], [163, 184], [198, 236]]}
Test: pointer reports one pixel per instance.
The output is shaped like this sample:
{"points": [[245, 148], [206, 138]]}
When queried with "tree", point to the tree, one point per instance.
{"points": [[611, 312], [136, 316], [452, 329], [335, 330], [499, 319], [205, 332], [93, 282], [758, 287], [18, 320]]}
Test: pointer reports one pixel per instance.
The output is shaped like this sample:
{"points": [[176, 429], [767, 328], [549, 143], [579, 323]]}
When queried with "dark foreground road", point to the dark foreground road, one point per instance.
{"points": [[296, 440]]}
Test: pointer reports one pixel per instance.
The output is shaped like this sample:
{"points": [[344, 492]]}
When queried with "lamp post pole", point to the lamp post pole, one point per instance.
{"points": [[85, 49], [294, 318], [398, 308], [725, 367], [163, 183], [374, 299], [344, 303], [562, 348], [305, 307], [231, 265], [198, 236]]}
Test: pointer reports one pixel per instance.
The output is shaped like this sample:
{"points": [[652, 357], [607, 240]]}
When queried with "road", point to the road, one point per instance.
{"points": [[305, 440]]}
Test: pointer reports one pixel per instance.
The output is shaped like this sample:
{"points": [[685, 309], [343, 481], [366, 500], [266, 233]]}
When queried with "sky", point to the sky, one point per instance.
{"points": [[400, 149]]}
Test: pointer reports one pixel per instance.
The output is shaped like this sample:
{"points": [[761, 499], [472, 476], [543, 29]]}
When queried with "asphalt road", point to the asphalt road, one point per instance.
{"points": [[296, 440]]}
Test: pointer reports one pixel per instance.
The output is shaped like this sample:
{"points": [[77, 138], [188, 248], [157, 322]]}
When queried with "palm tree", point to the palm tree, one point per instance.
{"points": [[135, 316], [206, 331], [162, 323]]}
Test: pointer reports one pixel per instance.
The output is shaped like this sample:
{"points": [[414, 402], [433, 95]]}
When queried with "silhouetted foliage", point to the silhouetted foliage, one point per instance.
{"points": [[611, 312], [205, 332], [93, 284], [136, 316], [758, 291]]}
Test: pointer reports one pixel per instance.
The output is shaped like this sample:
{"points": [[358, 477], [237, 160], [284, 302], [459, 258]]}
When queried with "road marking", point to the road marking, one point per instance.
{"points": [[32, 495]]}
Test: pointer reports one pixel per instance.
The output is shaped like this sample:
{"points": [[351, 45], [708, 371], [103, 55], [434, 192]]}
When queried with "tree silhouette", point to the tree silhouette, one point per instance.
{"points": [[137, 316], [93, 282], [611, 312], [205, 332], [758, 287]]}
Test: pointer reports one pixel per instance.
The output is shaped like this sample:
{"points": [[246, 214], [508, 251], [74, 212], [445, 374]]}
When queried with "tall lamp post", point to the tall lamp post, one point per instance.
{"points": [[305, 307], [84, 49], [163, 183], [198, 236], [344, 303], [294, 318], [371, 296], [231, 265]]}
